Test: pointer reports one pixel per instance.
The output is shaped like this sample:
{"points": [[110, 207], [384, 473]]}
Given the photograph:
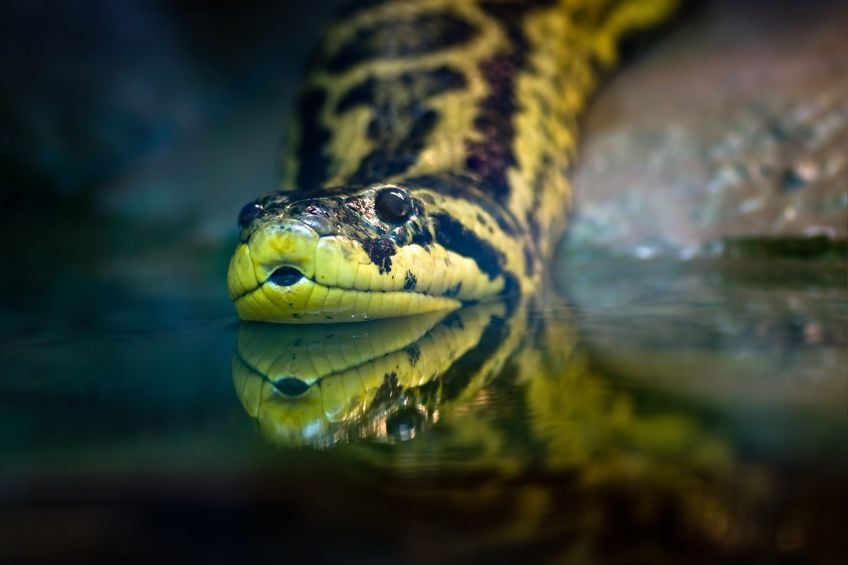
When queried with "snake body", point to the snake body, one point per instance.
{"points": [[427, 164]]}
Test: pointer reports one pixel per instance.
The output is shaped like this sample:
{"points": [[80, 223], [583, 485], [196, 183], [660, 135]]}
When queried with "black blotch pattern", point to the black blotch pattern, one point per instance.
{"points": [[422, 237], [454, 290], [460, 186], [391, 380], [395, 151], [452, 235], [362, 94], [380, 251], [489, 158], [454, 321], [529, 261], [535, 228], [401, 119], [409, 281], [511, 286], [414, 354], [402, 37], [389, 389], [467, 367], [444, 183], [313, 164]]}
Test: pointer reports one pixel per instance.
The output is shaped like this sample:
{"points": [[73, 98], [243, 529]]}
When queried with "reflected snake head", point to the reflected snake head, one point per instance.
{"points": [[320, 385]]}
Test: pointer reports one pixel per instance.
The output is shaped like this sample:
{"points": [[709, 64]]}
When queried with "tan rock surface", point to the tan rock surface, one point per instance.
{"points": [[734, 124]]}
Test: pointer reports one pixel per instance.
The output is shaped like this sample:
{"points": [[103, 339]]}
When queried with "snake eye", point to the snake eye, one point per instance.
{"points": [[250, 212], [393, 205]]}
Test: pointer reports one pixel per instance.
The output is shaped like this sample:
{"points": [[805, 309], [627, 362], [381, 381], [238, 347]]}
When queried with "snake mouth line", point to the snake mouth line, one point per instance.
{"points": [[289, 296], [289, 275]]}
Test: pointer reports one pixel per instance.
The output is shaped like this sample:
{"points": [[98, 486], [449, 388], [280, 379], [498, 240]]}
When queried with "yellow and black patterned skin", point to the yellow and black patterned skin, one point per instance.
{"points": [[322, 385], [503, 417], [427, 165]]}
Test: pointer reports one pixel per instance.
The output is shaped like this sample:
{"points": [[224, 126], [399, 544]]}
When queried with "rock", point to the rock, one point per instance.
{"points": [[733, 126]]}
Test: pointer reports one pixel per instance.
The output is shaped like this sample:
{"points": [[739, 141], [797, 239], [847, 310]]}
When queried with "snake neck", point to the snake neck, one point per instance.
{"points": [[487, 91], [428, 163]]}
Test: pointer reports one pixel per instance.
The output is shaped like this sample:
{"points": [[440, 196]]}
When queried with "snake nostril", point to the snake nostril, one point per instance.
{"points": [[285, 276], [320, 224], [290, 386]]}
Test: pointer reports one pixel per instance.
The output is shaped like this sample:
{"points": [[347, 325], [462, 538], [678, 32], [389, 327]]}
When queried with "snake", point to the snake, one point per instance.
{"points": [[491, 411], [427, 164], [322, 385]]}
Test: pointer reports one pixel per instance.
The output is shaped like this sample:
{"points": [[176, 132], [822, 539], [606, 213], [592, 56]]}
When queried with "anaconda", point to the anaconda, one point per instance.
{"points": [[427, 166], [528, 430]]}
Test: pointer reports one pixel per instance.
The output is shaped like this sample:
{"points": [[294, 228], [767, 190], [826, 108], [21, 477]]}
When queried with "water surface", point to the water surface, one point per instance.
{"points": [[648, 411]]}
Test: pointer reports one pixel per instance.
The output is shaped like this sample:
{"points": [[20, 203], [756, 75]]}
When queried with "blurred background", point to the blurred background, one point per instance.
{"points": [[731, 122]]}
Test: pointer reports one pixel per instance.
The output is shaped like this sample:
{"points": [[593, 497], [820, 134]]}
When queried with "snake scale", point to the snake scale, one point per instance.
{"points": [[427, 164]]}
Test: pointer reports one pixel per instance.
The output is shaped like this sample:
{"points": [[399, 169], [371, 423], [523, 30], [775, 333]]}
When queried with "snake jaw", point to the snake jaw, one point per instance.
{"points": [[339, 281]]}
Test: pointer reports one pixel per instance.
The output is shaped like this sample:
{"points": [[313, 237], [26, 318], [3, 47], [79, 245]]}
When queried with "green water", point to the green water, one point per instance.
{"points": [[648, 412]]}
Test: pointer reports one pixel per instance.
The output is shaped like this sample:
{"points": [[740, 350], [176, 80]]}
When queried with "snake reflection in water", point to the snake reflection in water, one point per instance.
{"points": [[357, 387]]}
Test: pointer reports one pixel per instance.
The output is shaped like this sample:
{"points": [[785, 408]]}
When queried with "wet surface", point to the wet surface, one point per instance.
{"points": [[661, 410]]}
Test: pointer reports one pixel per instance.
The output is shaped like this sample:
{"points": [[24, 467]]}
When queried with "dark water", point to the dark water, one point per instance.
{"points": [[649, 412]]}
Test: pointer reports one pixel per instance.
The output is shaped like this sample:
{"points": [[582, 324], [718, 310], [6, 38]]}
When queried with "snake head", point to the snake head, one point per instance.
{"points": [[378, 251]]}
